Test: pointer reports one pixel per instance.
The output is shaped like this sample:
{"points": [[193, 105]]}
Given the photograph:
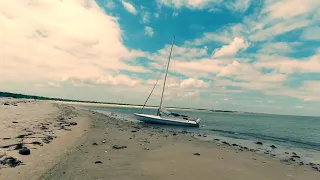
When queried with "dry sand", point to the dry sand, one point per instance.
{"points": [[115, 149], [42, 122]]}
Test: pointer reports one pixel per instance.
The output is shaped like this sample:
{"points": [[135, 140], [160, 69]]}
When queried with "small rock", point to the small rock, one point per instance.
{"points": [[14, 122], [196, 154], [94, 144], [133, 131], [226, 143], [10, 161], [103, 141], [295, 156], [174, 134], [21, 136], [301, 163], [18, 146], [273, 146], [118, 147], [37, 143], [43, 128], [235, 145], [204, 135], [294, 153], [73, 123], [24, 151], [259, 143], [47, 139], [6, 103], [216, 139], [147, 148], [98, 162], [292, 159]]}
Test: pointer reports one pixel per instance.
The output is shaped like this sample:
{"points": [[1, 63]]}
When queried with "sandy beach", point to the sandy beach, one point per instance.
{"points": [[70, 143]]}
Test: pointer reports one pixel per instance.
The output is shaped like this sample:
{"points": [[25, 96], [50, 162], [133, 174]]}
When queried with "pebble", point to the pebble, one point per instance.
{"points": [[295, 156], [98, 162], [73, 123], [24, 151], [118, 147], [196, 154], [259, 143], [10, 161], [273, 146]]}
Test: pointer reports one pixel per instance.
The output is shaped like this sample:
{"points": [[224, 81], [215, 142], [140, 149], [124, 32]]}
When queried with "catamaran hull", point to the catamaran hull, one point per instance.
{"points": [[159, 120]]}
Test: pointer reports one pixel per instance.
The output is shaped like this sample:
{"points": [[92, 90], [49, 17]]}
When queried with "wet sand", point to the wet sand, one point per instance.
{"points": [[108, 148]]}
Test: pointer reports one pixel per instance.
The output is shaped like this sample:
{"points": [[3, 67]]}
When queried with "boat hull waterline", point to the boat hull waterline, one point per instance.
{"points": [[147, 118]]}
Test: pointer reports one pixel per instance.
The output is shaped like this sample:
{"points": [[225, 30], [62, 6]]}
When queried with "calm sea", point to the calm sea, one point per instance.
{"points": [[300, 134]]}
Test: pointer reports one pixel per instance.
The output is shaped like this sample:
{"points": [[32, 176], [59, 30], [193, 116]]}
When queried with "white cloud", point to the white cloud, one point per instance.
{"points": [[175, 14], [109, 4], [276, 48], [148, 31], [156, 15], [208, 38], [239, 5], [247, 72], [308, 92], [183, 53], [54, 40], [53, 84], [278, 28], [290, 65], [198, 4], [105, 80], [194, 83], [146, 17], [235, 5], [129, 7], [232, 49], [290, 8], [312, 33], [214, 9]]}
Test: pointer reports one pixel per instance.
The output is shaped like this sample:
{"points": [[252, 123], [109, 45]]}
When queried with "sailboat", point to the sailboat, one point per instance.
{"points": [[163, 116]]}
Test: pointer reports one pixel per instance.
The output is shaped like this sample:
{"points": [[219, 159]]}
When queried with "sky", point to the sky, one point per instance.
{"points": [[244, 55]]}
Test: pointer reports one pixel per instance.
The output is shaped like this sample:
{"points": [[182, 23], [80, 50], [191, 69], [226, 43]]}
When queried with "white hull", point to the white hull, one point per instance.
{"points": [[166, 120]]}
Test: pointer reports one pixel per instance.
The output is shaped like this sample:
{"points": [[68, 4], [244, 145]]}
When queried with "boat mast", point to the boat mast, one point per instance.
{"points": [[165, 78]]}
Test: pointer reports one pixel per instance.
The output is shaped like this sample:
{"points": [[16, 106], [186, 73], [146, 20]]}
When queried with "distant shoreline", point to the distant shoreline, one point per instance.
{"points": [[71, 101]]}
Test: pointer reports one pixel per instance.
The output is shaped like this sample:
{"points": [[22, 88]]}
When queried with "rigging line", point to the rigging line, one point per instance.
{"points": [[151, 91]]}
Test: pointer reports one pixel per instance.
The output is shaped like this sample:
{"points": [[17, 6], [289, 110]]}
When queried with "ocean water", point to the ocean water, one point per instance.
{"points": [[300, 134]]}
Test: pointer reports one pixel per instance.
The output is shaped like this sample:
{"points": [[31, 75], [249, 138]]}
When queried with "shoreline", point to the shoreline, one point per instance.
{"points": [[139, 151]]}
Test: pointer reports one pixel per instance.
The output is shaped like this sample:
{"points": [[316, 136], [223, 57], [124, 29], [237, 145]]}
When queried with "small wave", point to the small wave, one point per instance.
{"points": [[305, 144]]}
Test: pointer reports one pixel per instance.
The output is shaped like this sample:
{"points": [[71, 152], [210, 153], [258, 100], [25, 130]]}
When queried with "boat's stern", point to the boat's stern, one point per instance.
{"points": [[198, 121]]}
